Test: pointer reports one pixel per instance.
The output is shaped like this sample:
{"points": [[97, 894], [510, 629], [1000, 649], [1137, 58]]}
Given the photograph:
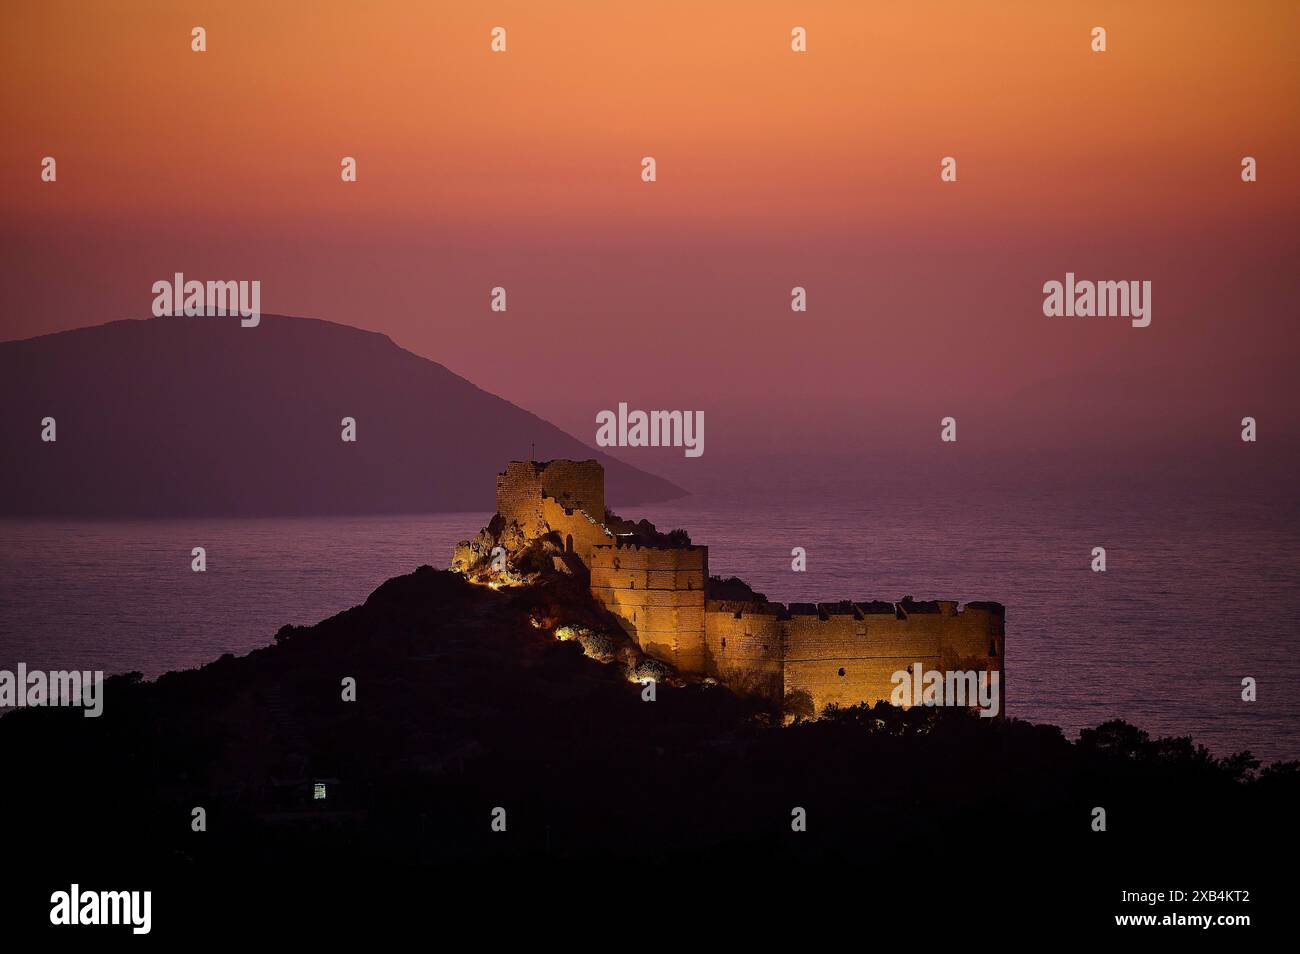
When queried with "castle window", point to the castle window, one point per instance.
{"points": [[724, 642], [841, 672], [318, 790], [568, 544], [993, 649]]}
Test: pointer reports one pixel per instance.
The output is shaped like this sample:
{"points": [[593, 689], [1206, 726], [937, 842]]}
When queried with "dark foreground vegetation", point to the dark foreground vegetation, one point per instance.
{"points": [[463, 706]]}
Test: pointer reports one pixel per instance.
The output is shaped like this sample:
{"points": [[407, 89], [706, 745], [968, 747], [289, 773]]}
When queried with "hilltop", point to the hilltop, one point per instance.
{"points": [[200, 417], [466, 700]]}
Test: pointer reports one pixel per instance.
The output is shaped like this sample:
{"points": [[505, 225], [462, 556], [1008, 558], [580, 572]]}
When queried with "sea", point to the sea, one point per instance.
{"points": [[1199, 591]]}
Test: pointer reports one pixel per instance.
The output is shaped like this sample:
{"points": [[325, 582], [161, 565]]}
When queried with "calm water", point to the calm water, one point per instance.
{"points": [[1200, 591]]}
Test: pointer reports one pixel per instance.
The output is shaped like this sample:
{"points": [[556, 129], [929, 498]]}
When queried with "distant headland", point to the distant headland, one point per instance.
{"points": [[198, 417]]}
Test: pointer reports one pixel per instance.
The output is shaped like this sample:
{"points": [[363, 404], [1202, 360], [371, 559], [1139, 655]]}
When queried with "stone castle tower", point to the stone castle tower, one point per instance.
{"points": [[660, 590]]}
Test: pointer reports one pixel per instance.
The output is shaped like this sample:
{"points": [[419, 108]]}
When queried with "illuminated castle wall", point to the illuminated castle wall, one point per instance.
{"points": [[842, 653], [658, 593]]}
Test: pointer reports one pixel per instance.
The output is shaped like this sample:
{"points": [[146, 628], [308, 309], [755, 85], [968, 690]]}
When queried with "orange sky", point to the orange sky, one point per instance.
{"points": [[775, 169], [746, 132]]}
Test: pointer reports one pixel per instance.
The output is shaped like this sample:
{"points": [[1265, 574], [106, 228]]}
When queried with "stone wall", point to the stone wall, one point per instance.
{"points": [[577, 531], [519, 497], [577, 485], [658, 594], [573, 484], [743, 641], [847, 653]]}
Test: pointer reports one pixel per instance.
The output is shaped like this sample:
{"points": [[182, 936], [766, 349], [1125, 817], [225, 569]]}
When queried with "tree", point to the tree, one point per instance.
{"points": [[798, 705]]}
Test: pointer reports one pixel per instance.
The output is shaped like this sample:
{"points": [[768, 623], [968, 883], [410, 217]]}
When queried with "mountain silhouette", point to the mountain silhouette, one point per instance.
{"points": [[202, 417]]}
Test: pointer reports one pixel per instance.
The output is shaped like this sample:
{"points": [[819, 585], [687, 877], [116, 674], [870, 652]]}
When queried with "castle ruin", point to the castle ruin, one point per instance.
{"points": [[658, 586]]}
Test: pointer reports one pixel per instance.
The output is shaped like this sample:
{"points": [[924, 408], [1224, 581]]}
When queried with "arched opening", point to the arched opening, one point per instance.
{"points": [[568, 544]]}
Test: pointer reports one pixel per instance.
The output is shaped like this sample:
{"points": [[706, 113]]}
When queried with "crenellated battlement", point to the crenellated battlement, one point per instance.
{"points": [[902, 609]]}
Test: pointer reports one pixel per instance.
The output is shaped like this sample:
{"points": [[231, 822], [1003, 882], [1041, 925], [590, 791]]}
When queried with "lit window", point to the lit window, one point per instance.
{"points": [[318, 790]]}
